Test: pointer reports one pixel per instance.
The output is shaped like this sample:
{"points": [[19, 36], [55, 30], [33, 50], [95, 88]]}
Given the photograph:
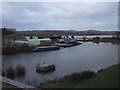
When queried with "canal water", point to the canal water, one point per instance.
{"points": [[88, 56]]}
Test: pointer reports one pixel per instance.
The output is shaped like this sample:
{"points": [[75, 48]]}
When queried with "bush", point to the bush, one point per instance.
{"points": [[87, 74], [78, 76], [11, 72], [3, 73], [20, 69], [99, 71]]}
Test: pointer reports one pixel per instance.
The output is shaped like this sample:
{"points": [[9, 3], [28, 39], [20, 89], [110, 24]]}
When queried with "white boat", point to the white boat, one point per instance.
{"points": [[45, 67]]}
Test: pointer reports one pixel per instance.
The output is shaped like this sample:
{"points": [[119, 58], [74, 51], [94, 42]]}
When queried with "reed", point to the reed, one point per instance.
{"points": [[20, 69], [11, 72], [78, 76]]}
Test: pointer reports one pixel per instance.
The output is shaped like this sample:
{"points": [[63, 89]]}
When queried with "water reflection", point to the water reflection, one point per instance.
{"points": [[88, 56]]}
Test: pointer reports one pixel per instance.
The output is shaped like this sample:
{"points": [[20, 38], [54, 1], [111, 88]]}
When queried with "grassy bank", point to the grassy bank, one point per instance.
{"points": [[107, 78]]}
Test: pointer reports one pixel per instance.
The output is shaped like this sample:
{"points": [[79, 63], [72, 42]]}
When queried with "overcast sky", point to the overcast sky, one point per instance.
{"points": [[67, 15]]}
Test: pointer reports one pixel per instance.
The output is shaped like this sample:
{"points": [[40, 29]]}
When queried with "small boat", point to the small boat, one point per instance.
{"points": [[68, 45], [45, 48], [45, 67], [64, 45]]}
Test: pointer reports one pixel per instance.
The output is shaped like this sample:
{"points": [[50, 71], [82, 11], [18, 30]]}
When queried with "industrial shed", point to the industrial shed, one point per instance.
{"points": [[35, 41]]}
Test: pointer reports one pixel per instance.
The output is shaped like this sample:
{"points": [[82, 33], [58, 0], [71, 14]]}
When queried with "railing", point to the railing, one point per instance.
{"points": [[16, 84]]}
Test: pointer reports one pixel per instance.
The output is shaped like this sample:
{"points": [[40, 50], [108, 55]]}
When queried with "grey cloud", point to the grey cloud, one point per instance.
{"points": [[61, 15]]}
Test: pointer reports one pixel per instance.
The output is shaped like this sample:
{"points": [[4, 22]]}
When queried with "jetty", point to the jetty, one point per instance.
{"points": [[64, 45], [68, 45], [45, 48]]}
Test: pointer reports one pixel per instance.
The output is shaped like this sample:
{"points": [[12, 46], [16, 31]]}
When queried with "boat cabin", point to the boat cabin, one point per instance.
{"points": [[45, 67]]}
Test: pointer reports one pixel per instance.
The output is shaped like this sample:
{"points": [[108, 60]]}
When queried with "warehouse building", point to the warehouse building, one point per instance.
{"points": [[35, 41]]}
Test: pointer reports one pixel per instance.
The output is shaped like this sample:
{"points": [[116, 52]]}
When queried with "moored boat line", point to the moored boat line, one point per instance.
{"points": [[45, 48]]}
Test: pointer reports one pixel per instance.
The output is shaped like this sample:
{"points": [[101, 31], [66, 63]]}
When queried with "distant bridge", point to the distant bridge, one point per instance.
{"points": [[8, 83]]}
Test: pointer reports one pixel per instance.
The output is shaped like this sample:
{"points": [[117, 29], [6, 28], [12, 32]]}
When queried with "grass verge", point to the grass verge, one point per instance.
{"points": [[107, 78]]}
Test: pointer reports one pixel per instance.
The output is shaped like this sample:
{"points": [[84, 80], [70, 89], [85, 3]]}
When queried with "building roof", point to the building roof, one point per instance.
{"points": [[28, 40], [36, 39]]}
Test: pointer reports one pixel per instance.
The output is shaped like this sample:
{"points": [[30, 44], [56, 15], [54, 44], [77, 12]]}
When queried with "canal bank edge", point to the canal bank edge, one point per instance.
{"points": [[107, 78], [14, 84]]}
